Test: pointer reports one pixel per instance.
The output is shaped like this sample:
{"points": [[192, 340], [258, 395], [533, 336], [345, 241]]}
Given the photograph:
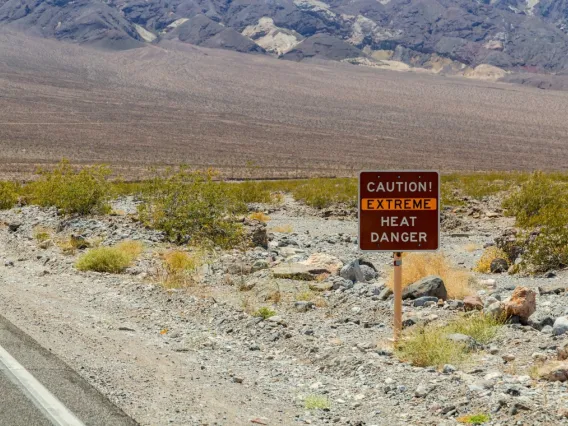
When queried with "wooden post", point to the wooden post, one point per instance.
{"points": [[397, 295]]}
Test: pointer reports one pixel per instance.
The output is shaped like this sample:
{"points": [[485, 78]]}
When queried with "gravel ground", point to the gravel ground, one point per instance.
{"points": [[197, 357]]}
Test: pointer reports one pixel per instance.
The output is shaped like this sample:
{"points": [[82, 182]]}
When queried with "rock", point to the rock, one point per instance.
{"points": [[498, 266], [454, 304], [463, 339], [428, 286], [547, 329], [488, 283], [368, 272], [423, 390], [448, 369], [422, 300], [320, 286], [339, 282], [302, 306], [493, 350], [522, 303], [259, 265], [385, 293], [540, 319], [560, 326], [324, 262], [554, 372], [508, 357], [352, 271], [14, 226], [555, 288], [293, 271], [472, 303], [290, 251], [496, 310], [562, 351], [46, 244]]}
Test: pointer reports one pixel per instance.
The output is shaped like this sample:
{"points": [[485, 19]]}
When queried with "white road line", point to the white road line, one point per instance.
{"points": [[51, 407]]}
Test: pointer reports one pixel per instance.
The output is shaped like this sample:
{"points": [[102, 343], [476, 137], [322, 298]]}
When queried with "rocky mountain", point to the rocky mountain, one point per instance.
{"points": [[529, 35]]}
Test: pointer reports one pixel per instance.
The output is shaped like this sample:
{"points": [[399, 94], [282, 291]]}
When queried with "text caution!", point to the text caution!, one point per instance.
{"points": [[399, 211]]}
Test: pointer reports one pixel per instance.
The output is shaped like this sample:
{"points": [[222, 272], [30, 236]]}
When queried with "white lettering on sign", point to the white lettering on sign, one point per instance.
{"points": [[393, 221], [399, 186], [398, 237]]}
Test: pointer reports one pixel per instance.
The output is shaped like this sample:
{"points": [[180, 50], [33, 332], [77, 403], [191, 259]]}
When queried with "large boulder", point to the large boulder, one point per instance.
{"points": [[522, 303], [325, 262], [560, 326], [428, 286], [352, 271]]}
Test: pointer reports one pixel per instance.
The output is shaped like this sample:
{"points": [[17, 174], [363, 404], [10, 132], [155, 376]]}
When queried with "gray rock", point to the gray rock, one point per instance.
{"points": [[428, 286], [368, 272], [454, 304], [547, 329], [14, 226], [448, 369], [555, 288], [352, 271], [423, 390], [468, 341], [422, 300], [495, 309], [302, 306], [560, 326]]}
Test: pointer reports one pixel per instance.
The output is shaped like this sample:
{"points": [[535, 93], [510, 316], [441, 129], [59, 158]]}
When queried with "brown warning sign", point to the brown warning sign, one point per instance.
{"points": [[399, 211]]}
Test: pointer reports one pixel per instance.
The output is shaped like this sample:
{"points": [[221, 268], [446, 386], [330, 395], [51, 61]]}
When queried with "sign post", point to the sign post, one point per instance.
{"points": [[399, 211]]}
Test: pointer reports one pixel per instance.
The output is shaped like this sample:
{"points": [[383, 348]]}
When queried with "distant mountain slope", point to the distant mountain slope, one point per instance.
{"points": [[529, 35]]}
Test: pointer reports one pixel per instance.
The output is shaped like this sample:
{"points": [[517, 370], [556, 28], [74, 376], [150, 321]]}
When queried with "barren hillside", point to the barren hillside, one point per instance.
{"points": [[177, 103]]}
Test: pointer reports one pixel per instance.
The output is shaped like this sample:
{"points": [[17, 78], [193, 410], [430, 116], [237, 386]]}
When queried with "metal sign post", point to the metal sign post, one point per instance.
{"points": [[399, 211]]}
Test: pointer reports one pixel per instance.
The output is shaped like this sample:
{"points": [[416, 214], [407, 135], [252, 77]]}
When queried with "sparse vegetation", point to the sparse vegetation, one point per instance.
{"points": [[192, 207], [541, 204], [72, 190], [42, 234], [428, 345], [474, 419], [283, 229], [9, 194], [489, 255], [264, 312], [178, 268], [110, 259], [316, 402], [458, 282]]}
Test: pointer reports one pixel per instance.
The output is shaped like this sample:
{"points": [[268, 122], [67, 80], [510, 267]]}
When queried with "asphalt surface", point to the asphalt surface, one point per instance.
{"points": [[82, 399]]}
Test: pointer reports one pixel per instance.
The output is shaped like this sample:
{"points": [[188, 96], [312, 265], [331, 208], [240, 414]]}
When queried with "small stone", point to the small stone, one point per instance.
{"points": [[560, 326], [508, 357], [14, 226], [421, 301], [448, 369], [320, 286], [554, 371], [472, 303], [493, 350], [302, 306], [423, 390]]}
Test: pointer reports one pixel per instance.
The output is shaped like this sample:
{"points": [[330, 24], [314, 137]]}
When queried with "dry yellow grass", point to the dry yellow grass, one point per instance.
{"points": [[260, 216], [488, 256], [419, 265], [178, 268]]}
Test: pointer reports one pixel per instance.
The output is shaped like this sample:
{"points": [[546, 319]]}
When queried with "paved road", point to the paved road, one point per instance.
{"points": [[17, 405]]}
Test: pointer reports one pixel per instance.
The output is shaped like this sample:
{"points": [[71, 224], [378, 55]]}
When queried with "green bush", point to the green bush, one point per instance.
{"points": [[190, 206], [83, 191], [321, 193], [537, 200], [264, 312], [9, 194], [110, 259]]}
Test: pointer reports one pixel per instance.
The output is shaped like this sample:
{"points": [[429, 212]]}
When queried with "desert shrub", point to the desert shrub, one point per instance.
{"points": [[283, 229], [9, 194], [541, 204], [428, 346], [316, 402], [42, 234], [72, 190], [536, 200], [264, 312], [549, 248], [178, 268], [321, 193], [489, 255], [109, 259], [253, 192], [191, 206], [474, 419], [417, 266]]}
